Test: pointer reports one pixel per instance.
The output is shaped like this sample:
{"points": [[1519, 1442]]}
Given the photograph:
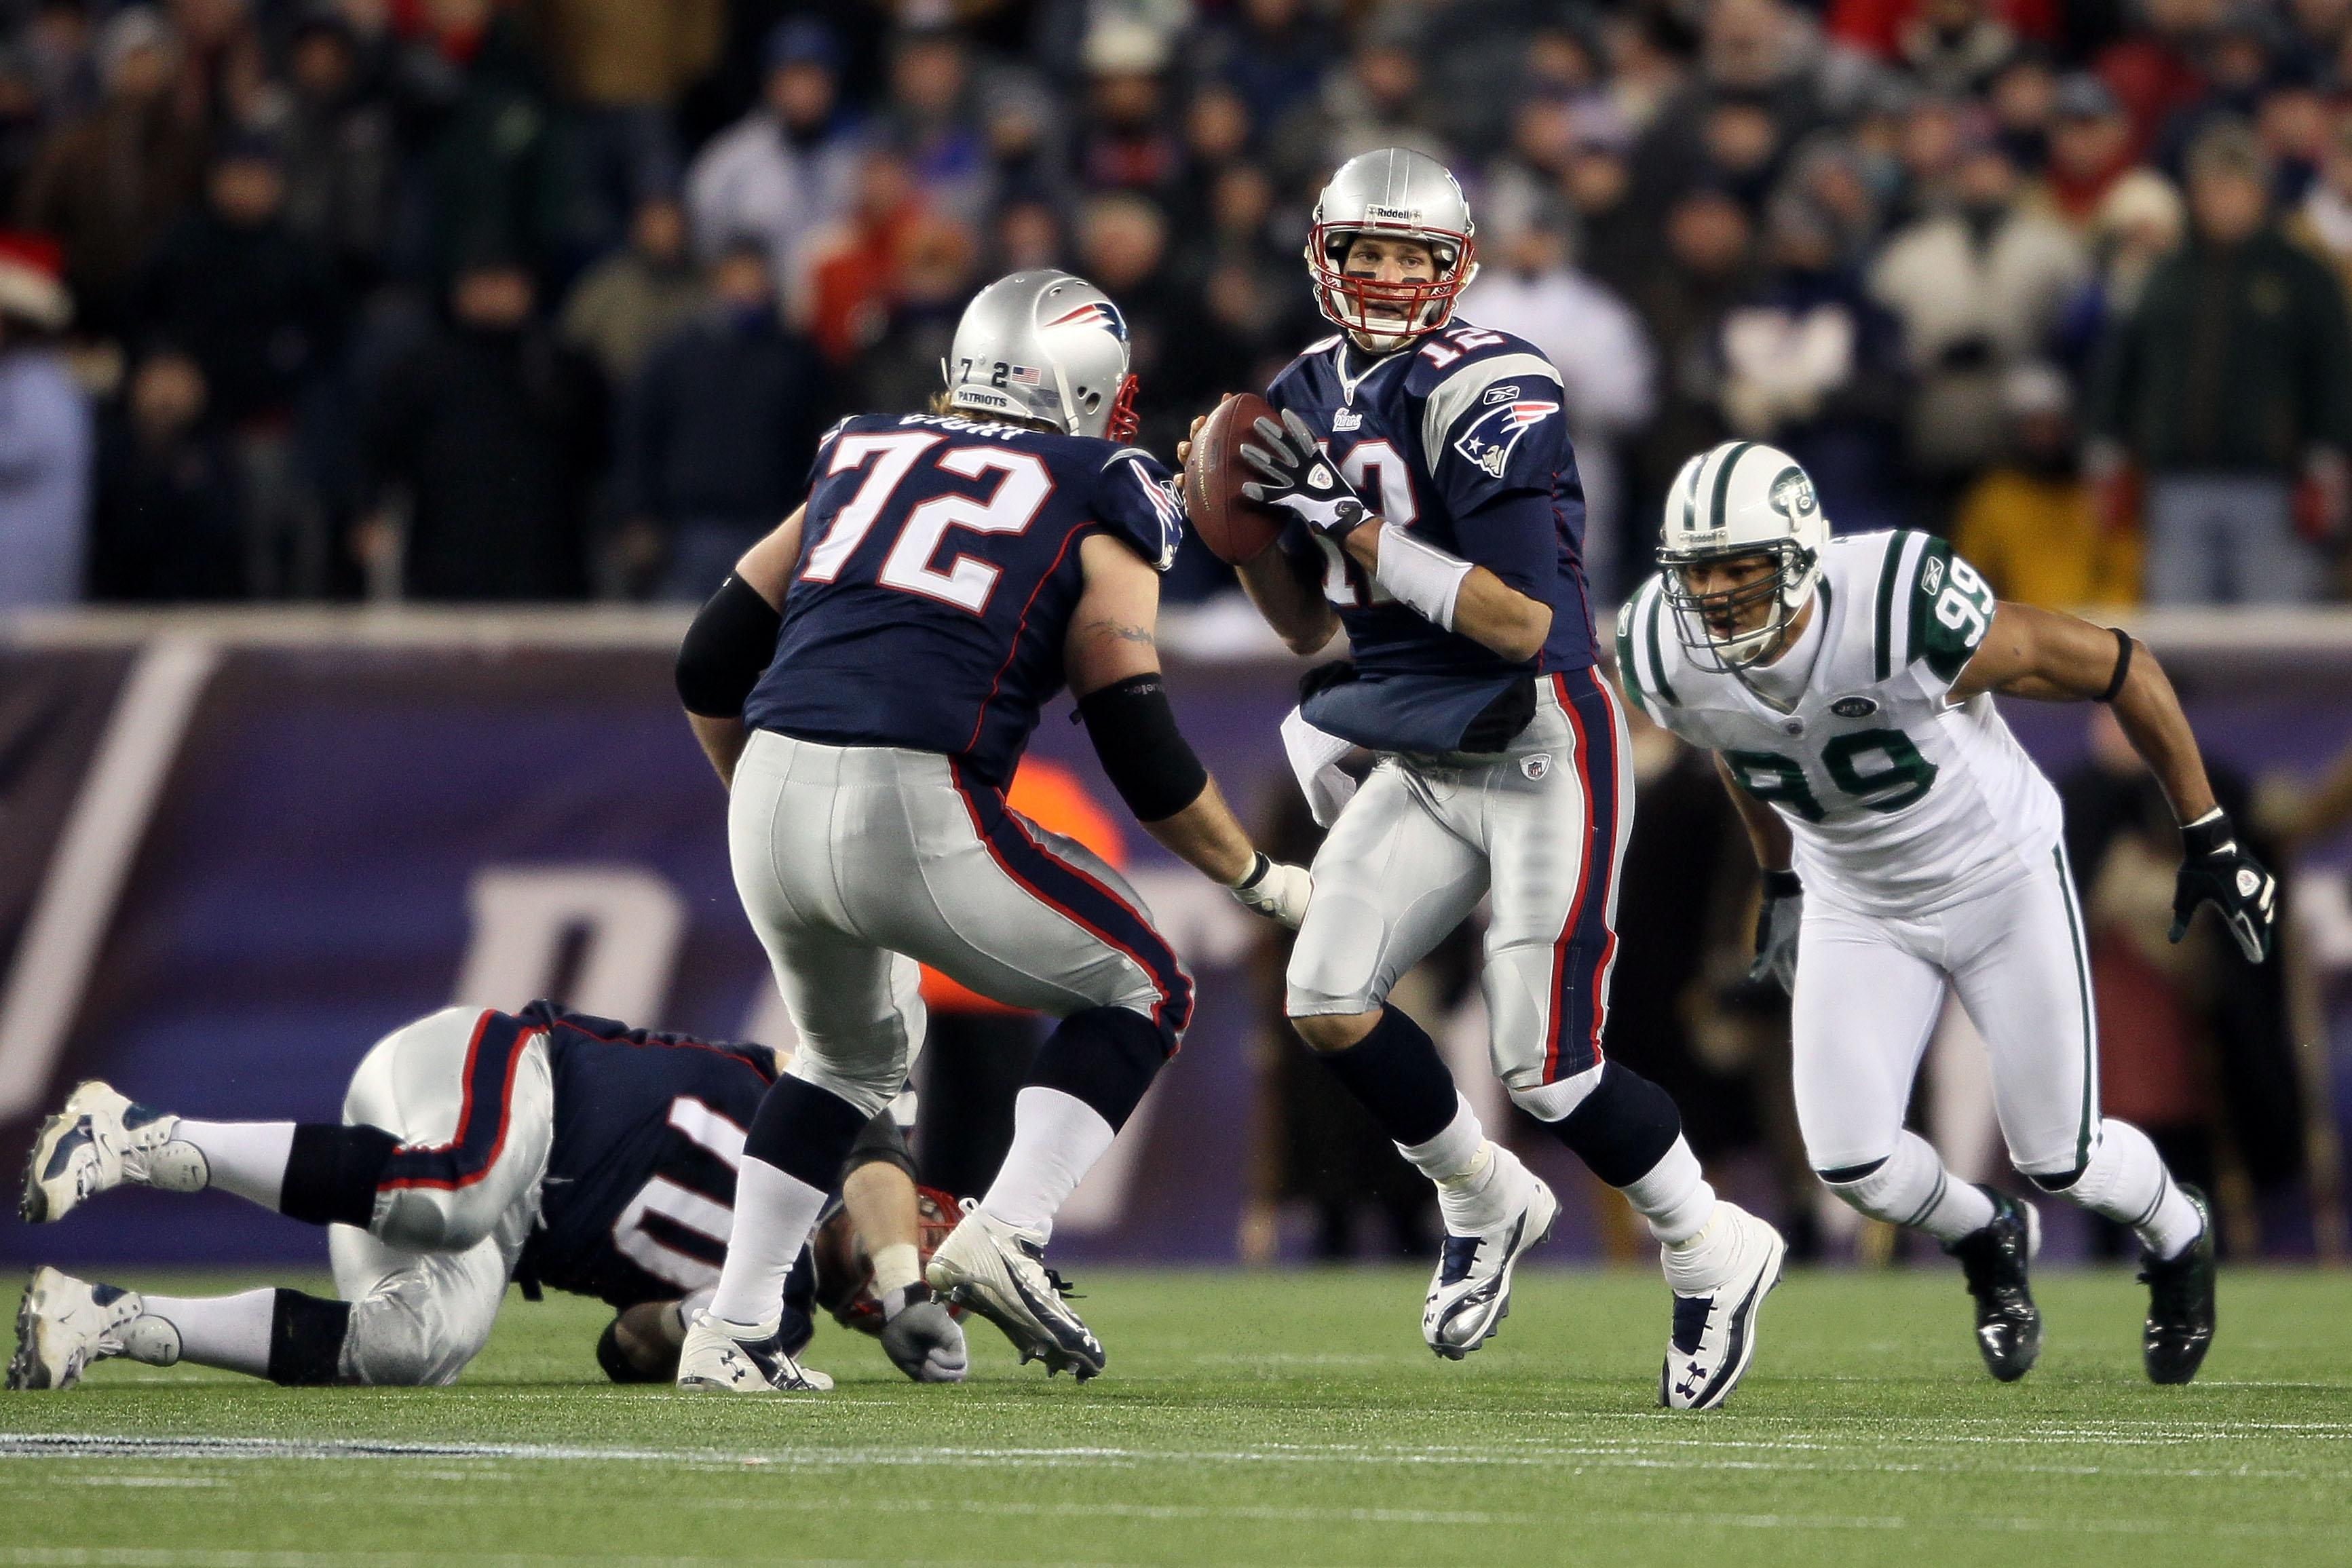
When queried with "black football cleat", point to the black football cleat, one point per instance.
{"points": [[1994, 1260], [2179, 1303]]}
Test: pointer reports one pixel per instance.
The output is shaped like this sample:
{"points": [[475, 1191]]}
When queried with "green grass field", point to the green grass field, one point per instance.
{"points": [[1290, 1419]]}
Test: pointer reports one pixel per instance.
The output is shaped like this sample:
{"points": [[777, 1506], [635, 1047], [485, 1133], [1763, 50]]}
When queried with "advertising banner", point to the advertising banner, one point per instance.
{"points": [[236, 851]]}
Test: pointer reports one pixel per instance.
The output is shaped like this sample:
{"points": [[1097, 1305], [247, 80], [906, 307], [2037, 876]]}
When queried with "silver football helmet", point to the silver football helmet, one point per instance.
{"points": [[1740, 498], [1047, 347], [1397, 194]]}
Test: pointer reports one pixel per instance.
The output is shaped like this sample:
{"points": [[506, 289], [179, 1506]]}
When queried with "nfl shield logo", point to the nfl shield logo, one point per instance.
{"points": [[1536, 766]]}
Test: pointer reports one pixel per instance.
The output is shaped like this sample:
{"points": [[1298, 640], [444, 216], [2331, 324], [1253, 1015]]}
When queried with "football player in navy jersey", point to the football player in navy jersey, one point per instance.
{"points": [[477, 1147], [1436, 514], [866, 683]]}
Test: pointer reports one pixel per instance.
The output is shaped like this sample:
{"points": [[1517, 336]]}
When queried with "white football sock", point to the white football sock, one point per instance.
{"points": [[2127, 1181], [231, 1332], [773, 1216], [1673, 1195], [1456, 1152], [1912, 1187], [1057, 1139], [248, 1158]]}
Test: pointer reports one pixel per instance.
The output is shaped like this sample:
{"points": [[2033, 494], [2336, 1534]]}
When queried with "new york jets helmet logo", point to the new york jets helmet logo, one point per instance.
{"points": [[1792, 494], [1854, 706]]}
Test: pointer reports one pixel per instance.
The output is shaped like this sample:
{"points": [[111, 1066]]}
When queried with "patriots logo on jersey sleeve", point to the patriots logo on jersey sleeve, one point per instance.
{"points": [[1494, 434], [1168, 508]]}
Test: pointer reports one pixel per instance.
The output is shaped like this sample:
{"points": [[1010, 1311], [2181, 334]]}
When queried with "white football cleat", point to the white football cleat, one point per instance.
{"points": [[1470, 1294], [65, 1324], [102, 1140], [1714, 1335], [999, 1271], [743, 1360]]}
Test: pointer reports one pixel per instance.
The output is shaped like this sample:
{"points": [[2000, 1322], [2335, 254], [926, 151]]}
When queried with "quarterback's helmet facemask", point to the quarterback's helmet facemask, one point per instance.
{"points": [[1046, 347], [1393, 193], [1740, 501]]}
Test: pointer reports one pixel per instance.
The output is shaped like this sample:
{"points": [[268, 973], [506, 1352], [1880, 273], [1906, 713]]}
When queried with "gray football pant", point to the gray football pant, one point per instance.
{"points": [[425, 1279], [1542, 829], [857, 863]]}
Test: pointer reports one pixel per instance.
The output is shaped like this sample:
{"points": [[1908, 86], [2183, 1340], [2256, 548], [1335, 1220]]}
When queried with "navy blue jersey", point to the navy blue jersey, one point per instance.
{"points": [[1462, 438], [640, 1188], [938, 573]]}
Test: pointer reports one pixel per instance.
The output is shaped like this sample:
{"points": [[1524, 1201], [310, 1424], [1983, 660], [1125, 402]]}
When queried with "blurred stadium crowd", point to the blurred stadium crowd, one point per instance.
{"points": [[547, 300]]}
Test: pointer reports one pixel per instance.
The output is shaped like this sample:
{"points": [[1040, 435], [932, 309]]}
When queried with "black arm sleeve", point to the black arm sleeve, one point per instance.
{"points": [[881, 1143], [1135, 734], [726, 650]]}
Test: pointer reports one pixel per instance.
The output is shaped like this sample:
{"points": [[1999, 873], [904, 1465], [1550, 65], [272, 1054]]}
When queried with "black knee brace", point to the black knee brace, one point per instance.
{"points": [[1105, 1056], [306, 1339], [1623, 1128], [331, 1172]]}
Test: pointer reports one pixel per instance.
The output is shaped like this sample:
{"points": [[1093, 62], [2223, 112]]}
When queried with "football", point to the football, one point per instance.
{"points": [[1234, 528]]}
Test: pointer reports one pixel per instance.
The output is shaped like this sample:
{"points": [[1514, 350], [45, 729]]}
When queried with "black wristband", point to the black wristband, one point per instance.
{"points": [[2123, 665], [729, 646], [1781, 885], [1135, 736], [1258, 868]]}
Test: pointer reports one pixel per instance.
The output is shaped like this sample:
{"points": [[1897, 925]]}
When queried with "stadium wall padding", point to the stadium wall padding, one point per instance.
{"points": [[341, 817]]}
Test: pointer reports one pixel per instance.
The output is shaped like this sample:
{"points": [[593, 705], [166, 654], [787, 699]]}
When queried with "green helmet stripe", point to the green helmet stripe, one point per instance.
{"points": [[1723, 480]]}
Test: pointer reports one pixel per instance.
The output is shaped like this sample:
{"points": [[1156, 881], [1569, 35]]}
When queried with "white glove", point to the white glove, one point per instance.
{"points": [[1278, 891], [1314, 757]]}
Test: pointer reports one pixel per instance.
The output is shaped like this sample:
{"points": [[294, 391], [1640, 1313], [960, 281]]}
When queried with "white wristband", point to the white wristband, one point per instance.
{"points": [[1421, 576]]}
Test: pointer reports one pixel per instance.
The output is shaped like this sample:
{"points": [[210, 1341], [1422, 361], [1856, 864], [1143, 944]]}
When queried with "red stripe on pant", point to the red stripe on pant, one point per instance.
{"points": [[1092, 904], [492, 1058], [1587, 944]]}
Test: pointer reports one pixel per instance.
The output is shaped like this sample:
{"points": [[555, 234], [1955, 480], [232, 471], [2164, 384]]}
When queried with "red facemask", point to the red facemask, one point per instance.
{"points": [[1405, 310]]}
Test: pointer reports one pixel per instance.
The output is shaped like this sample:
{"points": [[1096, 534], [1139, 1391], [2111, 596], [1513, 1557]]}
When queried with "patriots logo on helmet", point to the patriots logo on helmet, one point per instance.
{"points": [[1095, 313], [1493, 436]]}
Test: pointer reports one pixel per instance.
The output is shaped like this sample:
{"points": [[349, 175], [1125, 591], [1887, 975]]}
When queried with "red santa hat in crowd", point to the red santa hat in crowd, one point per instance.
{"points": [[31, 280]]}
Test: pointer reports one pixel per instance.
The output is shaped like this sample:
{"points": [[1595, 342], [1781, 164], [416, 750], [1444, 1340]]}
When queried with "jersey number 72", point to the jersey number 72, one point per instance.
{"points": [[1021, 490]]}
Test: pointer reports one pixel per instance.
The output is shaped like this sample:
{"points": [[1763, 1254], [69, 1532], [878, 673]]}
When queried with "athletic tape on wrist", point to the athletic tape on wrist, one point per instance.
{"points": [[1424, 577]]}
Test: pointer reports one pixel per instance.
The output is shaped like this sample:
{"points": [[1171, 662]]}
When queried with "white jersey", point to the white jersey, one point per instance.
{"points": [[1900, 800]]}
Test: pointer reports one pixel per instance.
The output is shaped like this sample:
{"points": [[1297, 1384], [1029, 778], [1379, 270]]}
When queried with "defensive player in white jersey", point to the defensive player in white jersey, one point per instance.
{"points": [[1909, 845]]}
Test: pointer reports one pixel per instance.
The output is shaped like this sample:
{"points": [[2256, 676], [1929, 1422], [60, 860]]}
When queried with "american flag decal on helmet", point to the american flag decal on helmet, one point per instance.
{"points": [[1489, 441], [1095, 313]]}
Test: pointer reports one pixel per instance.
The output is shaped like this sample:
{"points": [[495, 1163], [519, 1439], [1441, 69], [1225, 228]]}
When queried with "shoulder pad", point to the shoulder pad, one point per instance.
{"points": [[1643, 642], [1290, 374], [1507, 372], [1135, 496]]}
